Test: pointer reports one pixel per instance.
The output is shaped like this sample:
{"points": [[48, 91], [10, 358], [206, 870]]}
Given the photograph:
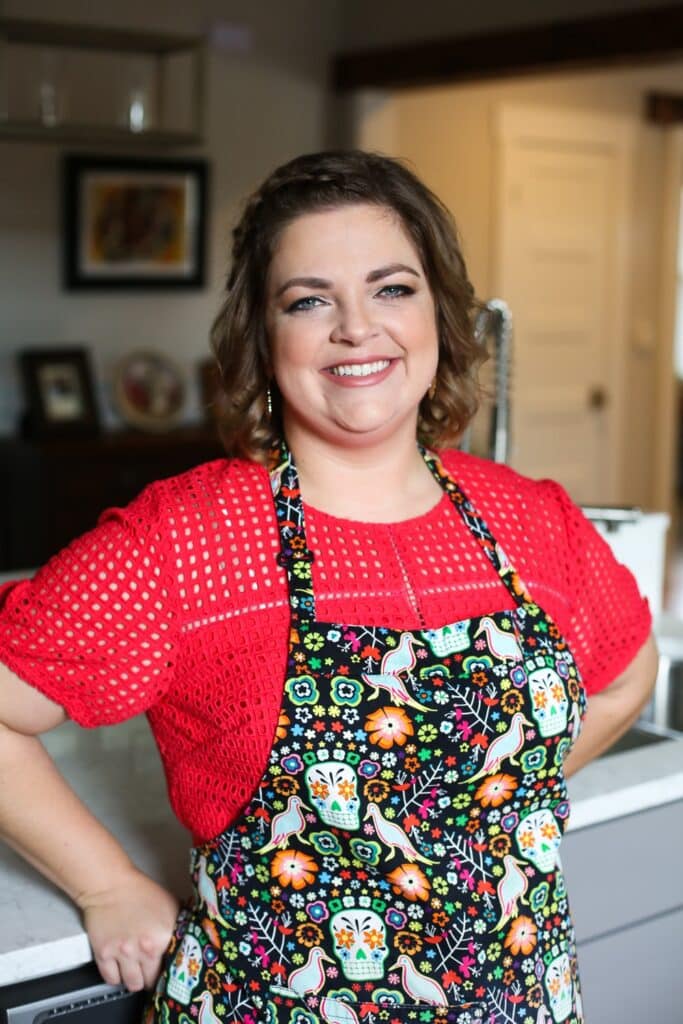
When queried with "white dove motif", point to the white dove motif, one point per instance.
{"points": [[208, 895], [575, 719], [400, 659], [309, 979], [393, 836], [206, 1012], [505, 746], [511, 889], [419, 988], [501, 644], [336, 1011], [543, 1017], [286, 824]]}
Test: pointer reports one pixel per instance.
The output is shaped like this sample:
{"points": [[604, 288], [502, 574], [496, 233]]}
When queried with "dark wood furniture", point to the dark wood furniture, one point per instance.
{"points": [[52, 491]]}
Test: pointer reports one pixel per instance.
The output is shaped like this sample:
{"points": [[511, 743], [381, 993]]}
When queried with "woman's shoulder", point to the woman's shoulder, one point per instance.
{"points": [[484, 477], [223, 487]]}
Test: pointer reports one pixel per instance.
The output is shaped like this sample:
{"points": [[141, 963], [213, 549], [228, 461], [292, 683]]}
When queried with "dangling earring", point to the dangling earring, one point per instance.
{"points": [[269, 403], [431, 391]]}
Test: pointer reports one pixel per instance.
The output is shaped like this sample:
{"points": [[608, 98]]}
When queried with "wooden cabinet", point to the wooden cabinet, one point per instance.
{"points": [[52, 491], [625, 886]]}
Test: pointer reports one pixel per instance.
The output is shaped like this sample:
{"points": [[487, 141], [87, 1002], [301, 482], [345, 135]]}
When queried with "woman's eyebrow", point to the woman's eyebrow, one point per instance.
{"points": [[303, 282], [322, 283], [391, 268]]}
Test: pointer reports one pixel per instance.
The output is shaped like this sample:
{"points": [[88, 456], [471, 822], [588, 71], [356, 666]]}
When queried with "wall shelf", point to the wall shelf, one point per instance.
{"points": [[89, 84]]}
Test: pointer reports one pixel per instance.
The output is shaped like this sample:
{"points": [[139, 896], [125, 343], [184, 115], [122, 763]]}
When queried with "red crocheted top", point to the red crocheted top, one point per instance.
{"points": [[175, 605]]}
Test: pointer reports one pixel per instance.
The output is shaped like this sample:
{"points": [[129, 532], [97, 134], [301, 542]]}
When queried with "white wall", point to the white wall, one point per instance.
{"points": [[446, 133], [264, 106]]}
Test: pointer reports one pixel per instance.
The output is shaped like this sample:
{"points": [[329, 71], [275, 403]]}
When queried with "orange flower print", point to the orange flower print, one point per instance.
{"points": [[291, 867], [512, 701], [409, 881], [388, 726], [344, 938], [495, 790], [500, 845], [522, 936], [373, 937], [282, 723]]}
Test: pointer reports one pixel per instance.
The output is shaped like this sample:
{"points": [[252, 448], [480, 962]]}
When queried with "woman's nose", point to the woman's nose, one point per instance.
{"points": [[354, 325]]}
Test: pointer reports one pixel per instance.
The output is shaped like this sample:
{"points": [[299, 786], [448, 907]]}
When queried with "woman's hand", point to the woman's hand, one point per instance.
{"points": [[129, 925]]}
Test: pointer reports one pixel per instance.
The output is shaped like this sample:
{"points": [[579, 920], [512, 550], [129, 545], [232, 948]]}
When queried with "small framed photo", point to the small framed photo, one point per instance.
{"points": [[134, 223], [58, 391]]}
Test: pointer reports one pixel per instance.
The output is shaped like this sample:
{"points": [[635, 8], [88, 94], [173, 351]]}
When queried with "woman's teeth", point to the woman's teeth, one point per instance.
{"points": [[359, 369]]}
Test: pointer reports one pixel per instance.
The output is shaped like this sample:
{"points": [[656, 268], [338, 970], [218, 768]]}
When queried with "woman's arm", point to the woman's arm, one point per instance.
{"points": [[128, 917], [611, 711]]}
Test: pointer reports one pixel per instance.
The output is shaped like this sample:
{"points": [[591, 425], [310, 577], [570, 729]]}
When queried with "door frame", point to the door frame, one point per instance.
{"points": [[666, 446], [518, 123]]}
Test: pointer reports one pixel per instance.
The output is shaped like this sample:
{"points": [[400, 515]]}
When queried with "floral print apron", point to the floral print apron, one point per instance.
{"points": [[399, 859]]}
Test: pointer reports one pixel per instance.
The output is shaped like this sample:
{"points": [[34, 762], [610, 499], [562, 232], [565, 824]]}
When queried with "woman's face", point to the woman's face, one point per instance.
{"points": [[352, 327]]}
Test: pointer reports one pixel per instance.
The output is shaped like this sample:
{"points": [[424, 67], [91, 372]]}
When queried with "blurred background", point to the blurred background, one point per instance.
{"points": [[129, 134]]}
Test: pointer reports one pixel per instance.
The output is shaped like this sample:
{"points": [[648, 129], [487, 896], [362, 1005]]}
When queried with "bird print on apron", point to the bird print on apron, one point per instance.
{"points": [[399, 860]]}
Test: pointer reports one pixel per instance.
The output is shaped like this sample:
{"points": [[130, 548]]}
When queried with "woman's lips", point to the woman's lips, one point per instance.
{"points": [[360, 373]]}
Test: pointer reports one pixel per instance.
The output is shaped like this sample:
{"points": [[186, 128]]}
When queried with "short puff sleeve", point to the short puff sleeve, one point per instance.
{"points": [[609, 619], [96, 630]]}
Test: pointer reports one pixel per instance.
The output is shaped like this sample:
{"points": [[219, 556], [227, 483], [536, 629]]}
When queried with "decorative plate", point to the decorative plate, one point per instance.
{"points": [[149, 391]]}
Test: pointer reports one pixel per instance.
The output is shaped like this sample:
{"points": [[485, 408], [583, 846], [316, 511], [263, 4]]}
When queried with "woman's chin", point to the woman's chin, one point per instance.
{"points": [[359, 430]]}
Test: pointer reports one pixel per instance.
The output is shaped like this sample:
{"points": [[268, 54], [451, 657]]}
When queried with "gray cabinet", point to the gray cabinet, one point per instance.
{"points": [[625, 883]]}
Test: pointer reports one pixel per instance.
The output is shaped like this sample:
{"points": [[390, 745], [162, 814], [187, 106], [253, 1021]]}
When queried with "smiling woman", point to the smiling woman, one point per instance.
{"points": [[369, 665]]}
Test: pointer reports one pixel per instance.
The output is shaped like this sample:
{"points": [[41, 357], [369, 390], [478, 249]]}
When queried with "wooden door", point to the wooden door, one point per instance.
{"points": [[560, 257]]}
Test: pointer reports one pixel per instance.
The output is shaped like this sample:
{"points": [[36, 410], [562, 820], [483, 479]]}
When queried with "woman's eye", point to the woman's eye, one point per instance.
{"points": [[308, 302], [395, 291]]}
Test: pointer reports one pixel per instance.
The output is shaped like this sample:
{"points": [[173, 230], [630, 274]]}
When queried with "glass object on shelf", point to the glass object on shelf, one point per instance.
{"points": [[51, 99], [139, 94], [137, 111]]}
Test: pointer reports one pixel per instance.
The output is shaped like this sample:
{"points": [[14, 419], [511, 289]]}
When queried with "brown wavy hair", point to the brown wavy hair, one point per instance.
{"points": [[322, 181]]}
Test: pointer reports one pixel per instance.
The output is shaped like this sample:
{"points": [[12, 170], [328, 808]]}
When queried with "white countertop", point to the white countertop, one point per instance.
{"points": [[118, 773]]}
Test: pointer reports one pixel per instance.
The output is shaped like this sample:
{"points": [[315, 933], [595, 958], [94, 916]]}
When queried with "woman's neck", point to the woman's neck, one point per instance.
{"points": [[384, 482]]}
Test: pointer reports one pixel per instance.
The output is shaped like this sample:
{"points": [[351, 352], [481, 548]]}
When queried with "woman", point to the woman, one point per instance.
{"points": [[383, 828]]}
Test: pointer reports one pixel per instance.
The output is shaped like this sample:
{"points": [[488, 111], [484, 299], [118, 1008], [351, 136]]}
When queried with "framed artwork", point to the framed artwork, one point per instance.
{"points": [[58, 392], [134, 223], [149, 391]]}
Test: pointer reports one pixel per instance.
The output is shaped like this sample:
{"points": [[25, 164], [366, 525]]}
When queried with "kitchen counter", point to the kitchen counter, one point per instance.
{"points": [[118, 774]]}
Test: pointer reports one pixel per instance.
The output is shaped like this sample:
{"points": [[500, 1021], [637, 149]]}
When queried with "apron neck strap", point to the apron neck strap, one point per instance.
{"points": [[479, 530], [294, 556]]}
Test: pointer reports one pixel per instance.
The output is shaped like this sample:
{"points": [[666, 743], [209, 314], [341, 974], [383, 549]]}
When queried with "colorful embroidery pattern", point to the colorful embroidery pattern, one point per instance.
{"points": [[399, 861]]}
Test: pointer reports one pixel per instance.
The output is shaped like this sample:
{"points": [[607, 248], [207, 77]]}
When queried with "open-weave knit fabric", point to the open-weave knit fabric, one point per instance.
{"points": [[176, 606]]}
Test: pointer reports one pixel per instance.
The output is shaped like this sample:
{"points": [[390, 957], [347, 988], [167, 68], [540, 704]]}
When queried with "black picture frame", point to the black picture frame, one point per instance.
{"points": [[134, 223], [58, 392]]}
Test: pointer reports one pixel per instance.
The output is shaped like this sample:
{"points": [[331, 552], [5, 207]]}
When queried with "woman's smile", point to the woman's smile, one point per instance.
{"points": [[360, 373]]}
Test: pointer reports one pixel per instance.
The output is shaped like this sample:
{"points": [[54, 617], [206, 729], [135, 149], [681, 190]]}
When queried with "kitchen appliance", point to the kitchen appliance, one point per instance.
{"points": [[78, 996], [489, 433], [638, 540]]}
